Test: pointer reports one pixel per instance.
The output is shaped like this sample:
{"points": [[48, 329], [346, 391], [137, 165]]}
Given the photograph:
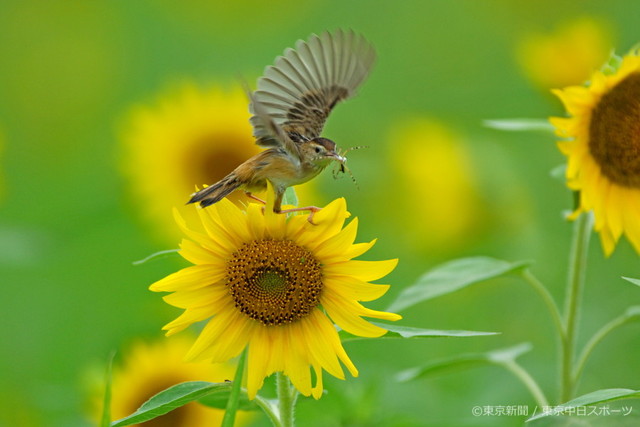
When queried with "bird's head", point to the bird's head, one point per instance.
{"points": [[321, 152]]}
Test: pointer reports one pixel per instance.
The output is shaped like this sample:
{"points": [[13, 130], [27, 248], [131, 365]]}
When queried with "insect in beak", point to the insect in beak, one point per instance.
{"points": [[342, 159], [339, 157]]}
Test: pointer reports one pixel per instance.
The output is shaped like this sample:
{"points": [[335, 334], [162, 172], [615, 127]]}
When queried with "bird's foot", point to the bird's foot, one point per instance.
{"points": [[312, 209]]}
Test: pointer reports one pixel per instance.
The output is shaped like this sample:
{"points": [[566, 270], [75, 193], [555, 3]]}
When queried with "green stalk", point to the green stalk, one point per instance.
{"points": [[548, 300], [234, 396], [594, 341], [575, 286], [528, 381], [270, 409], [105, 420], [287, 396]]}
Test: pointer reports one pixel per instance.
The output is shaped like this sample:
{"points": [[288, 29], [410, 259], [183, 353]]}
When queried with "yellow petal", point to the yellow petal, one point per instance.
{"points": [[328, 331], [359, 249], [192, 277], [615, 204], [197, 254], [234, 220], [317, 389], [189, 317], [296, 359], [258, 361], [631, 213], [255, 221], [198, 297], [363, 270], [349, 322], [223, 337], [608, 241], [348, 287], [326, 223], [317, 347], [200, 238], [337, 245], [218, 233], [274, 222]]}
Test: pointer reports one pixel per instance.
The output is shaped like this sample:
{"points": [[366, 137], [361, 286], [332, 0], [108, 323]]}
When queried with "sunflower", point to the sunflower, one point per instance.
{"points": [[568, 55], [453, 208], [603, 149], [271, 283], [191, 137], [149, 368]]}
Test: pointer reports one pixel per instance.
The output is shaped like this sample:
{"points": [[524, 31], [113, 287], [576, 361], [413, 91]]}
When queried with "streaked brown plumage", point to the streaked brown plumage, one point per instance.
{"points": [[290, 107]]}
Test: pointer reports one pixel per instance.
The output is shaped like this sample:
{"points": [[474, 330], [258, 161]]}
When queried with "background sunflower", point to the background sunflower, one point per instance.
{"points": [[146, 368], [192, 136], [568, 54], [71, 223], [601, 139]]}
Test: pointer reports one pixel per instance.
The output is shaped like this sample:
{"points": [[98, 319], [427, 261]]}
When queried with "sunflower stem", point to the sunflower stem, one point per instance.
{"points": [[575, 286], [234, 396], [287, 396]]}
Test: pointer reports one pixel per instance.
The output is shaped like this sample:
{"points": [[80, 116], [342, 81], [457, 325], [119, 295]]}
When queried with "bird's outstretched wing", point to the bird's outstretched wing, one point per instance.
{"points": [[299, 91], [272, 129]]}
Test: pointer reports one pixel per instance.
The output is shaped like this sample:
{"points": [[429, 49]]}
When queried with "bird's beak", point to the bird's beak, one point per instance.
{"points": [[337, 156]]}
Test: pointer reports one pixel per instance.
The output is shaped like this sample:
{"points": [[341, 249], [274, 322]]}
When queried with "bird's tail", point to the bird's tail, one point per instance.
{"points": [[216, 192]]}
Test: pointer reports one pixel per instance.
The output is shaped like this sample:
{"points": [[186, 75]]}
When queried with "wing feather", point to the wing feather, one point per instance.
{"points": [[299, 91], [275, 131]]}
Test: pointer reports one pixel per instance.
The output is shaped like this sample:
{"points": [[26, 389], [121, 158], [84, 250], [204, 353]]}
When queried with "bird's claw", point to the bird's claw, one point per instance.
{"points": [[312, 209]]}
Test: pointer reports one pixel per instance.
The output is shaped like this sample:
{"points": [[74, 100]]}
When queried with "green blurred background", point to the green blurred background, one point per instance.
{"points": [[69, 229]]}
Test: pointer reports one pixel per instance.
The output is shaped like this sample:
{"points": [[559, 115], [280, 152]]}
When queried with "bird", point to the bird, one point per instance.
{"points": [[289, 108]]}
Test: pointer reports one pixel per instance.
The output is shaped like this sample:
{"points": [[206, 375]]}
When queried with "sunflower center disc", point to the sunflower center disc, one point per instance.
{"points": [[274, 281], [614, 132]]}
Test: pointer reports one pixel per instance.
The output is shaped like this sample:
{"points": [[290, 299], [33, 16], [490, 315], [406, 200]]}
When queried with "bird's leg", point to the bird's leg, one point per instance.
{"points": [[277, 203], [312, 209], [251, 196], [277, 207]]}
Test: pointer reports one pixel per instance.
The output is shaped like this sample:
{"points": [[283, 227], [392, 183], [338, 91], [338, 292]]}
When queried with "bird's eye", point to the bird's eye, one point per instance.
{"points": [[318, 150]]}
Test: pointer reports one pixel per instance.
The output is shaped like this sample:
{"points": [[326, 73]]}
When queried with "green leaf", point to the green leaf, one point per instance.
{"points": [[519, 125], [632, 313], [464, 361], [508, 354], [290, 197], [106, 401], [630, 280], [397, 331], [600, 396], [452, 276], [219, 401], [172, 398]]}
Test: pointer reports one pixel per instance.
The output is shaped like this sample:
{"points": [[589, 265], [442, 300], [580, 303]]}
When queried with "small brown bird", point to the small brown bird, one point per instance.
{"points": [[290, 107]]}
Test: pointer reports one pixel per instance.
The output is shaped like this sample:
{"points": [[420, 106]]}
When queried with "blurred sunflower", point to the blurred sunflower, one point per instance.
{"points": [[568, 55], [149, 368], [190, 138], [449, 208], [603, 149], [271, 283]]}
